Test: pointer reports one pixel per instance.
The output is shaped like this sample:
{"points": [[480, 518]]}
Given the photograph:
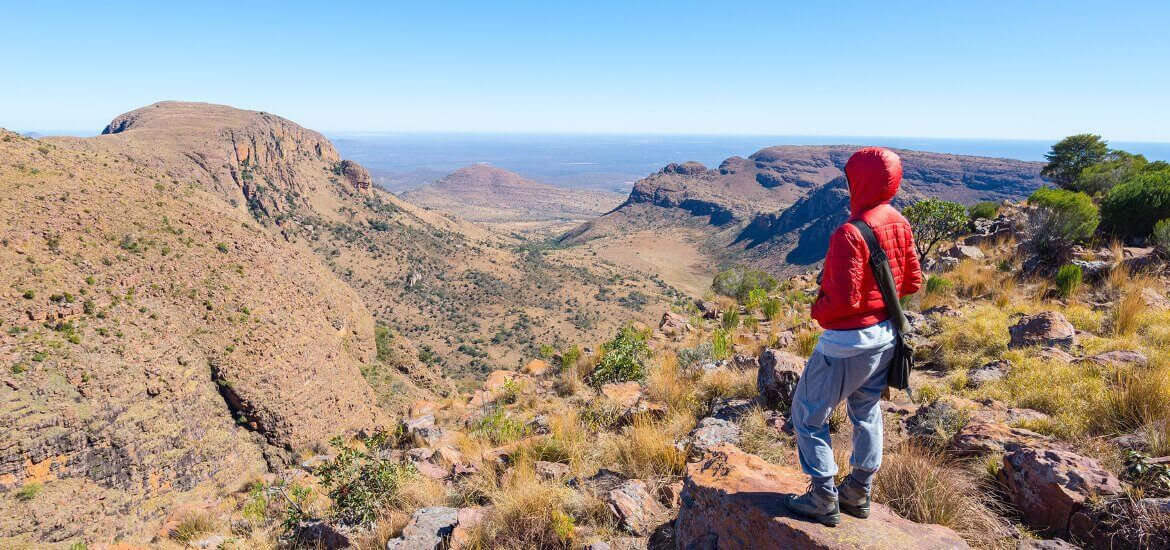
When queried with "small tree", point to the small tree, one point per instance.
{"points": [[1071, 155], [1132, 208], [934, 221], [1103, 176]]}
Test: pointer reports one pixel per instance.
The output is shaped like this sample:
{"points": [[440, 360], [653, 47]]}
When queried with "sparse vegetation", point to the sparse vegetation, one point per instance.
{"points": [[1068, 280], [935, 221], [739, 282], [359, 482], [623, 357]]}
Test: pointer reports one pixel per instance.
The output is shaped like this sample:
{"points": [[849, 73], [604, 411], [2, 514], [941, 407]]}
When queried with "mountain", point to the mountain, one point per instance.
{"points": [[202, 295], [486, 194], [776, 208]]}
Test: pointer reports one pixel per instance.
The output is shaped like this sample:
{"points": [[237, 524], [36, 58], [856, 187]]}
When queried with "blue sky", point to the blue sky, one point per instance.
{"points": [[1015, 70]]}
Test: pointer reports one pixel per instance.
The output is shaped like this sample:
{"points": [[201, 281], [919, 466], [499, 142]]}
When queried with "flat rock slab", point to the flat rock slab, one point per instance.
{"points": [[734, 500]]}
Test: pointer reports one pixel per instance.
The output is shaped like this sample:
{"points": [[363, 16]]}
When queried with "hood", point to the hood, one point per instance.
{"points": [[874, 176]]}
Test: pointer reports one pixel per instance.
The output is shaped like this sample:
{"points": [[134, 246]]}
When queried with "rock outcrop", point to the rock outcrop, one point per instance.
{"points": [[1046, 329], [1052, 486], [732, 500]]}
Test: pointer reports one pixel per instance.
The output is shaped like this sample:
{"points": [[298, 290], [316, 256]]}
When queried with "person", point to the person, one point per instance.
{"points": [[853, 353]]}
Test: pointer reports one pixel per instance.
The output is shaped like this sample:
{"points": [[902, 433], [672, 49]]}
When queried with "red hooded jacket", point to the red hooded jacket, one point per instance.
{"points": [[849, 297]]}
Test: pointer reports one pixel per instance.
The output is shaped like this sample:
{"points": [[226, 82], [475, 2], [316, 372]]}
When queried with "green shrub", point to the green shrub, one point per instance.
{"points": [[755, 298], [624, 357], [29, 491], [361, 483], [1132, 208], [771, 308], [499, 428], [934, 221], [1161, 237], [1068, 280], [739, 282], [721, 343], [688, 357], [985, 210], [730, 319], [570, 356], [1105, 175], [1060, 220], [938, 285], [751, 323]]}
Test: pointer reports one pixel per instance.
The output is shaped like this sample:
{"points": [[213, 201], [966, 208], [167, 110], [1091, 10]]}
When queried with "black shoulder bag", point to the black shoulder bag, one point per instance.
{"points": [[899, 374]]}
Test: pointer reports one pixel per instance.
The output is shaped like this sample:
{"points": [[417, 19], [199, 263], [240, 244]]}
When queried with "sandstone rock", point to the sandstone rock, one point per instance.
{"points": [[1155, 299], [551, 470], [638, 511], [1055, 354], [623, 394], [1050, 544], [1049, 485], [963, 252], [777, 377], [1119, 358], [600, 483], [981, 438], [427, 530], [674, 325], [356, 175], [745, 362], [712, 432], [422, 430], [730, 408], [988, 372], [784, 339], [321, 534], [732, 500], [1048, 328], [468, 518], [537, 367]]}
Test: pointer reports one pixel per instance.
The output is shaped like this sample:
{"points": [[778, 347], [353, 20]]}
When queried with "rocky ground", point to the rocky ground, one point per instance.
{"points": [[1039, 424]]}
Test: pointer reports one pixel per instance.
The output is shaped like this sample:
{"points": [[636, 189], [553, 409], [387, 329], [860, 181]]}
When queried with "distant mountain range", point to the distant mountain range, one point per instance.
{"points": [[486, 194], [776, 208]]}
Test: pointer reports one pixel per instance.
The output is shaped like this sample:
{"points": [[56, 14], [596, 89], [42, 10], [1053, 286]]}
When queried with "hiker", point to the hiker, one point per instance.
{"points": [[854, 352]]}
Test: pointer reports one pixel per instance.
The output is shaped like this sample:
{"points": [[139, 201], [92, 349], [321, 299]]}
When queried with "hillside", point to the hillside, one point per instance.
{"points": [[505, 200], [776, 208], [201, 295]]}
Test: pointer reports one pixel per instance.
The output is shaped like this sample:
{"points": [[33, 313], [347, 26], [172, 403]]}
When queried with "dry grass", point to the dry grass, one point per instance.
{"points": [[645, 449], [1129, 312], [194, 525], [666, 383], [977, 337], [567, 442], [806, 341], [1085, 318], [727, 383], [1137, 398], [973, 278], [765, 441], [1068, 392], [921, 486], [526, 513]]}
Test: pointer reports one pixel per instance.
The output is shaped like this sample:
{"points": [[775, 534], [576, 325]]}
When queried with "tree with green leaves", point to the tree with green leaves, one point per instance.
{"points": [[1107, 174], [1071, 155], [934, 221]]}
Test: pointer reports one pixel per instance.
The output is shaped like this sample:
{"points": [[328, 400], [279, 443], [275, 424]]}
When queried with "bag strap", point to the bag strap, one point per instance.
{"points": [[880, 264]]}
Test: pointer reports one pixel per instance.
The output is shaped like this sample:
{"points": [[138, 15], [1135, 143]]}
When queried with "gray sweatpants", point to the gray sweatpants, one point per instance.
{"points": [[827, 381]]}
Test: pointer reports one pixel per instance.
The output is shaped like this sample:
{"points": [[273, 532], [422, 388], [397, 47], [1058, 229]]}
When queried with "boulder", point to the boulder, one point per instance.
{"points": [[710, 309], [1093, 270], [675, 326], [1119, 358], [320, 534], [1155, 299], [422, 430], [356, 175], [598, 484], [468, 519], [981, 438], [636, 509], [623, 394], [730, 408], [777, 377], [783, 339], [1048, 328], [537, 367], [712, 432], [551, 470], [427, 530], [733, 500], [1048, 485], [1055, 354], [743, 361], [988, 372], [963, 252]]}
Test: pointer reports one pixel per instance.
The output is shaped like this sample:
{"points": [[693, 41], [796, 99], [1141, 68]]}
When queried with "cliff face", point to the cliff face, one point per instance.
{"points": [[162, 346], [777, 207]]}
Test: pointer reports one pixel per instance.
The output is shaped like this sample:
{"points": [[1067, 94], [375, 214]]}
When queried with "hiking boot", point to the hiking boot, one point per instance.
{"points": [[817, 505], [853, 498]]}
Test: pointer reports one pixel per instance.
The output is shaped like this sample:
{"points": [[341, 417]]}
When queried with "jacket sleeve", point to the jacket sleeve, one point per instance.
{"points": [[840, 292], [912, 274]]}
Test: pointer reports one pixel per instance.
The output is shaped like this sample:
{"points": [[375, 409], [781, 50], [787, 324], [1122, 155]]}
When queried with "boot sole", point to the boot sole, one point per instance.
{"points": [[855, 511]]}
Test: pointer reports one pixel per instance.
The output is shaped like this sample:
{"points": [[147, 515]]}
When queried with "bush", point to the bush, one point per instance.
{"points": [[938, 285], [721, 343], [739, 282], [570, 356], [730, 319], [1061, 220], [755, 298], [688, 357], [361, 483], [1103, 176], [772, 306], [985, 210], [624, 357], [1161, 237], [1068, 280], [934, 221], [1132, 208]]}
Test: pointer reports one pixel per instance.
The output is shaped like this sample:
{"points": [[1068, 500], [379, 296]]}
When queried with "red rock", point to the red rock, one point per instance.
{"points": [[536, 367], [638, 511], [1047, 328], [777, 377], [1049, 485], [979, 438], [733, 500], [674, 325]]}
